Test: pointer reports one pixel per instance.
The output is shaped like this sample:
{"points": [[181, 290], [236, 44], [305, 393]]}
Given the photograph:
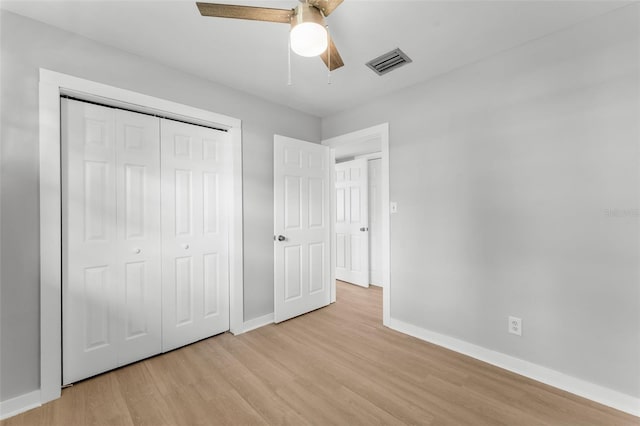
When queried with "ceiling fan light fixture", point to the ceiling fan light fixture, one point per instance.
{"points": [[308, 39], [308, 33]]}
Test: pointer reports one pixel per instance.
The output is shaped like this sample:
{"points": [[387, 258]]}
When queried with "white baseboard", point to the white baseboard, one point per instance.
{"points": [[19, 404], [597, 393], [252, 324]]}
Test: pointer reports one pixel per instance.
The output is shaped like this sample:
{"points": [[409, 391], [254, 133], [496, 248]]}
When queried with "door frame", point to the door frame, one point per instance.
{"points": [[366, 137], [51, 86]]}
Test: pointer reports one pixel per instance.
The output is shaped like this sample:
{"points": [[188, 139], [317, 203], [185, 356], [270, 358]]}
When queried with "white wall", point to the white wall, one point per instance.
{"points": [[375, 221], [28, 45], [503, 172]]}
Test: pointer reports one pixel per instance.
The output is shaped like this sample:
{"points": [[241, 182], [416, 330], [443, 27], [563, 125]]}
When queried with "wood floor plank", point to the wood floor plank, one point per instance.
{"points": [[335, 366], [263, 399]]}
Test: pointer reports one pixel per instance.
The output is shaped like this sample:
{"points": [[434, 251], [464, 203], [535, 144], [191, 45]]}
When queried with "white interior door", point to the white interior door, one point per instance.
{"points": [[375, 221], [111, 238], [301, 227], [352, 227], [195, 261]]}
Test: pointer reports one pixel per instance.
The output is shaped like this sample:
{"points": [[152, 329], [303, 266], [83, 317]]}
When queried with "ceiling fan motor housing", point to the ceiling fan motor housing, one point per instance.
{"points": [[304, 12]]}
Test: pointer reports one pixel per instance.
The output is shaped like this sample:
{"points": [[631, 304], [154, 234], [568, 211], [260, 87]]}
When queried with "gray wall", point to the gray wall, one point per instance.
{"points": [[503, 172], [28, 45]]}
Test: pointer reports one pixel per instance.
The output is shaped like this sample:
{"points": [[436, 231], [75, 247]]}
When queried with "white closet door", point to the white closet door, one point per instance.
{"points": [[301, 227], [195, 266], [111, 279], [138, 251], [352, 228]]}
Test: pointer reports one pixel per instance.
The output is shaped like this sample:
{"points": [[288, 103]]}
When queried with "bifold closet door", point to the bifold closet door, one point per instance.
{"points": [[195, 264], [111, 238]]}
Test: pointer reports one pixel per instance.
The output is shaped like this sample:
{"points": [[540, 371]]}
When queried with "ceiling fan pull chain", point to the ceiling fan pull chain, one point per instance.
{"points": [[328, 56], [289, 63]]}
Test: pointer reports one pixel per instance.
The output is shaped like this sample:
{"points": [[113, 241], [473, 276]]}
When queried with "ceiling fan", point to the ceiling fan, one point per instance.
{"points": [[308, 36]]}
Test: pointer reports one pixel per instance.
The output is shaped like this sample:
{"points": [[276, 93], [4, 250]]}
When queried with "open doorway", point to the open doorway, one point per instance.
{"points": [[371, 147]]}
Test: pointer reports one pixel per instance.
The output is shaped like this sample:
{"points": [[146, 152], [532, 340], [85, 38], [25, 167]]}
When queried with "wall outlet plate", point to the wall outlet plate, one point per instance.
{"points": [[515, 325]]}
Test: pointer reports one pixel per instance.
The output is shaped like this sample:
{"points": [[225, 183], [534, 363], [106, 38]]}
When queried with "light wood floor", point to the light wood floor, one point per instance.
{"points": [[337, 365]]}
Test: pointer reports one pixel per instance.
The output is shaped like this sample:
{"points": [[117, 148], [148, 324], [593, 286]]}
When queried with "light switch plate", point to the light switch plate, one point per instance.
{"points": [[393, 207]]}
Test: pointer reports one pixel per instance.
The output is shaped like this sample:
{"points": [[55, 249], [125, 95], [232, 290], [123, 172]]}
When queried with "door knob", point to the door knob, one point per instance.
{"points": [[137, 251], [185, 246], [281, 238]]}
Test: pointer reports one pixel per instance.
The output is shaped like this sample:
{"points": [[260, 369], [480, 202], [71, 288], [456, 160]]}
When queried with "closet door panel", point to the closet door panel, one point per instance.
{"points": [[195, 269], [90, 264], [111, 238], [138, 199]]}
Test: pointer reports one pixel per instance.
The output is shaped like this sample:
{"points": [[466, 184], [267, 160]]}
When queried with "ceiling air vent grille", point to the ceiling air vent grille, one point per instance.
{"points": [[389, 61]]}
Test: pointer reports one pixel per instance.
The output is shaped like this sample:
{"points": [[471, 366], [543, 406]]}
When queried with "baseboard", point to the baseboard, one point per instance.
{"points": [[252, 324], [19, 404], [597, 393]]}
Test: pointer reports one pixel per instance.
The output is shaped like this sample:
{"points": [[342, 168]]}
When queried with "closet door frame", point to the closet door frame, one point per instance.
{"points": [[52, 86]]}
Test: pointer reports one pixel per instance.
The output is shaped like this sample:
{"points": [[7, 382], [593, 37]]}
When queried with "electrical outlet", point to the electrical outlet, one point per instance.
{"points": [[515, 326]]}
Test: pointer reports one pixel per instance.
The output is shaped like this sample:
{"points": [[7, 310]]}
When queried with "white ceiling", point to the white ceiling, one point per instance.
{"points": [[439, 36]]}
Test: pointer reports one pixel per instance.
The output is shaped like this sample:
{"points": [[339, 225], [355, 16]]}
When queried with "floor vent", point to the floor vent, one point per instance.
{"points": [[389, 61]]}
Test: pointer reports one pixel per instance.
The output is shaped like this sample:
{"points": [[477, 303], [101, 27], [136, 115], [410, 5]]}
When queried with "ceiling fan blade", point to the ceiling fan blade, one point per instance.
{"points": [[245, 12], [333, 61], [326, 6]]}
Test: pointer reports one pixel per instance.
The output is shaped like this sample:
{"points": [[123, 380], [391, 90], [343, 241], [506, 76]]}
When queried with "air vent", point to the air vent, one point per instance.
{"points": [[389, 61]]}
